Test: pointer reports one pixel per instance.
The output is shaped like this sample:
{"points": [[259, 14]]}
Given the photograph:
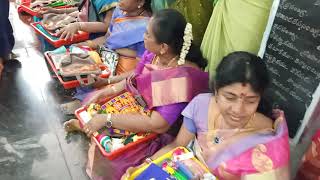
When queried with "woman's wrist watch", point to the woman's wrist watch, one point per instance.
{"points": [[109, 122]]}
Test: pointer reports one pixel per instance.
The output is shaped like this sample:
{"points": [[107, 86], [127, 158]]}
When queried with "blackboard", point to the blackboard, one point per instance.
{"points": [[292, 56]]}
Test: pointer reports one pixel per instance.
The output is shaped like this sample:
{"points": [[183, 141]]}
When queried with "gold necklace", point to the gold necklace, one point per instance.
{"points": [[156, 61], [218, 139]]}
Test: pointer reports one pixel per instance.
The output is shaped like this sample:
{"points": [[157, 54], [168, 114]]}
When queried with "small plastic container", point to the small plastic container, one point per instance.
{"points": [[55, 41], [72, 83], [83, 118], [168, 155]]}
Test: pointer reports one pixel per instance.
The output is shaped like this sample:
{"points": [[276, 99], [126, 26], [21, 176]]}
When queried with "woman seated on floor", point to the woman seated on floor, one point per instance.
{"points": [[231, 131], [93, 16], [125, 33], [168, 76]]}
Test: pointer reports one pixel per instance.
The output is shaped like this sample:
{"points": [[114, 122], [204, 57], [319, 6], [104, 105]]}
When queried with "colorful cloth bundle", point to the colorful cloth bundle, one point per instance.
{"points": [[123, 103]]}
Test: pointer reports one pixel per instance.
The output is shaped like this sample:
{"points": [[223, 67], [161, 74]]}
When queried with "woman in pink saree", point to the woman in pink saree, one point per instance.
{"points": [[164, 81], [231, 132]]}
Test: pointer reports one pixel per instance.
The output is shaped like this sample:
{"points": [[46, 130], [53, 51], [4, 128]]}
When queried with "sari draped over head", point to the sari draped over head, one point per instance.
{"points": [[248, 153], [102, 168]]}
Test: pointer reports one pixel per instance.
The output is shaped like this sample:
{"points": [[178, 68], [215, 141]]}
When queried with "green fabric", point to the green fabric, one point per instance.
{"points": [[197, 12], [235, 25]]}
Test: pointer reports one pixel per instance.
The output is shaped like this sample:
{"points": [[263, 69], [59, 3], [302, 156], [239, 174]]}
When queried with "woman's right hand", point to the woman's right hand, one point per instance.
{"points": [[99, 95], [95, 98]]}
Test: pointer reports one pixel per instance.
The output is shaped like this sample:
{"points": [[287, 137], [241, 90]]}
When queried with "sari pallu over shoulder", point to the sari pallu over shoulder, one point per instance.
{"points": [[260, 154], [126, 31], [171, 85]]}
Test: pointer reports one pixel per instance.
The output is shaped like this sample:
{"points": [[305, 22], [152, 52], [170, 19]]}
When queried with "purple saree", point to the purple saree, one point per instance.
{"points": [[170, 109]]}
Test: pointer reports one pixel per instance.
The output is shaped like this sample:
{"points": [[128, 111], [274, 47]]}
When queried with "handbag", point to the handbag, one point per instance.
{"points": [[78, 64], [110, 58]]}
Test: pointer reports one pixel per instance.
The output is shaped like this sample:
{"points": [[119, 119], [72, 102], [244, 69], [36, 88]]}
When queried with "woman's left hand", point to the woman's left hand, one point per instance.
{"points": [[97, 122]]}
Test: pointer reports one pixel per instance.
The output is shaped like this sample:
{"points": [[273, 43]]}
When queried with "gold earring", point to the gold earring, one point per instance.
{"points": [[139, 7]]}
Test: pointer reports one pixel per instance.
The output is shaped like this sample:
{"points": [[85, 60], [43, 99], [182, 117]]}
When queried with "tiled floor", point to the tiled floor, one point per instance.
{"points": [[33, 144]]}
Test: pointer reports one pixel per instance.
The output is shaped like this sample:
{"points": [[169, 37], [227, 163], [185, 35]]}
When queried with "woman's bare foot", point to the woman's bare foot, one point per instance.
{"points": [[72, 125]]}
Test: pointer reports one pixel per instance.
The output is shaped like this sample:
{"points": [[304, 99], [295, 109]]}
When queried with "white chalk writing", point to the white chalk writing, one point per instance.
{"points": [[273, 70], [288, 6], [286, 89], [281, 42], [299, 87], [280, 51], [284, 30], [310, 56], [299, 23], [272, 60], [300, 74], [304, 66]]}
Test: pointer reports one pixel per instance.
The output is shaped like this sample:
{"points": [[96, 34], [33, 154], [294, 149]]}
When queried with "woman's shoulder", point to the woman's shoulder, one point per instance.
{"points": [[203, 96], [262, 121]]}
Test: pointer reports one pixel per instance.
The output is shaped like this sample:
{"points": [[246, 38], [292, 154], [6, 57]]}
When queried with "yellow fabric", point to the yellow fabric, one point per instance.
{"points": [[197, 12], [95, 56], [235, 25]]}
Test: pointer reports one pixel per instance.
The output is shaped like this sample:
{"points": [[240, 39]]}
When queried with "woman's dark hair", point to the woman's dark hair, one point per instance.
{"points": [[168, 27], [147, 5], [244, 67]]}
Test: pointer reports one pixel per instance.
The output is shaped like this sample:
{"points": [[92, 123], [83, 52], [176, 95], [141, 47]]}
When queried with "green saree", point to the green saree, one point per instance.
{"points": [[197, 12], [235, 25]]}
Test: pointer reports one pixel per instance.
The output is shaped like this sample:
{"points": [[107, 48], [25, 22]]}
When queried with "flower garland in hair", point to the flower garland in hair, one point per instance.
{"points": [[187, 39]]}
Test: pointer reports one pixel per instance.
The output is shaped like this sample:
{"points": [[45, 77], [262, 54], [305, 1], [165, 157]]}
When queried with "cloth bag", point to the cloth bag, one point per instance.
{"points": [[77, 65], [110, 58]]}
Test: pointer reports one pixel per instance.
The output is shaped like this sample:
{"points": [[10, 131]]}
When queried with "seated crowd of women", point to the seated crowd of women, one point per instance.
{"points": [[233, 130]]}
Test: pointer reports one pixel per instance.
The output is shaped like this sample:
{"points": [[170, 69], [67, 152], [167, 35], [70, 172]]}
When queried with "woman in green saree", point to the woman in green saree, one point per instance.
{"points": [[234, 26]]}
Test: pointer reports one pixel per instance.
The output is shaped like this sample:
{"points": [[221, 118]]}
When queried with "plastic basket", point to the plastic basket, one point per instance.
{"points": [[72, 83], [55, 41], [83, 117]]}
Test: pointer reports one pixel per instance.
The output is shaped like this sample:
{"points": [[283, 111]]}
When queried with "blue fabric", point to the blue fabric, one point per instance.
{"points": [[154, 172], [99, 4], [6, 32], [189, 125], [82, 92], [126, 34]]}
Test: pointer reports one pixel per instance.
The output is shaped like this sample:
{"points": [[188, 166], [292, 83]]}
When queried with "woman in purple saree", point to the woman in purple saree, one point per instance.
{"points": [[168, 76], [231, 132]]}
